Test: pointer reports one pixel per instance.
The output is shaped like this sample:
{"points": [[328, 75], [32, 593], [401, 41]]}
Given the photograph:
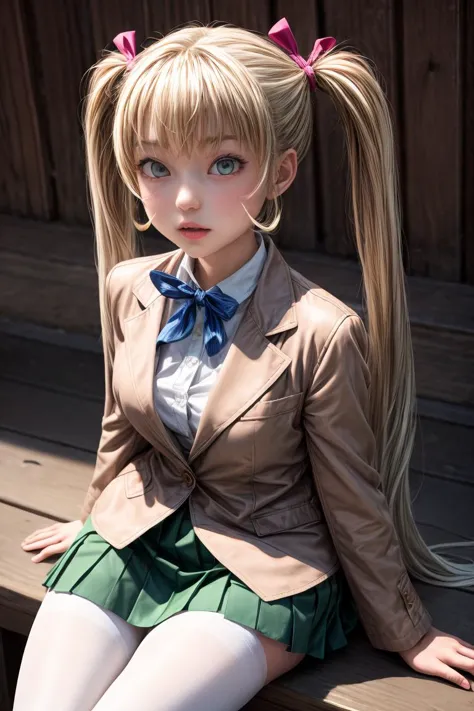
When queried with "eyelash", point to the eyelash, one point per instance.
{"points": [[239, 160]]}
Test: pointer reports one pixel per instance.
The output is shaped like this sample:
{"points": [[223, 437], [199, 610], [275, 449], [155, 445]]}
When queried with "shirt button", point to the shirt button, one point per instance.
{"points": [[180, 399], [198, 330], [192, 360]]}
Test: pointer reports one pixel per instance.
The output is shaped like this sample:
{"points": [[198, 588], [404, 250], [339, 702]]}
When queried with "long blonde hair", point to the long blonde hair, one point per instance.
{"points": [[208, 80]]}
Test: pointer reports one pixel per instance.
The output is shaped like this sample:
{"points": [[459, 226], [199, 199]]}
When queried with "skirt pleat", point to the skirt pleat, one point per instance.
{"points": [[169, 570]]}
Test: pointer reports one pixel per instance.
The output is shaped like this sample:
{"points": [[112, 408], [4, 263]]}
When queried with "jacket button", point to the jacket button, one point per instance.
{"points": [[188, 480]]}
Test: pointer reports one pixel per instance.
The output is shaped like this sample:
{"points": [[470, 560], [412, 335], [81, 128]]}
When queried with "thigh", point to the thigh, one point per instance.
{"points": [[195, 660], [74, 651], [279, 660]]}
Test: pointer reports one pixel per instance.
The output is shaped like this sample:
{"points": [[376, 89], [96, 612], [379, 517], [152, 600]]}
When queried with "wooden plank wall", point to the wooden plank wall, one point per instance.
{"points": [[424, 54]]}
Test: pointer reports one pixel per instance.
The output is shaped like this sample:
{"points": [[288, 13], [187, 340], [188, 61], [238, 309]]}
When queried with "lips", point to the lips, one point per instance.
{"points": [[193, 231], [192, 226]]}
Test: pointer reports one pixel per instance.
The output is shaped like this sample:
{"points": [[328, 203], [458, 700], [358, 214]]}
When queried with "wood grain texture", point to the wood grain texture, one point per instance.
{"points": [[259, 704], [65, 51], [300, 228], [62, 370], [57, 295], [366, 27], [448, 505], [468, 143], [51, 416], [443, 448], [443, 364], [109, 17], [255, 16], [25, 170], [433, 125], [43, 477], [424, 58], [169, 15], [361, 678], [20, 579]]}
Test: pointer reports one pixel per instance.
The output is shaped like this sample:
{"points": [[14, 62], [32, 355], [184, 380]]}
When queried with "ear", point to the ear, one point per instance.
{"points": [[286, 169]]}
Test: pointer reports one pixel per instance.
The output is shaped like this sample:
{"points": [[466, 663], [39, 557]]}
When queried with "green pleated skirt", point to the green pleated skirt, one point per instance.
{"points": [[168, 569]]}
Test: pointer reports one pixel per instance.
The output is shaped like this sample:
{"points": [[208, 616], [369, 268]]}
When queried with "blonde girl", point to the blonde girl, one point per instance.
{"points": [[250, 502]]}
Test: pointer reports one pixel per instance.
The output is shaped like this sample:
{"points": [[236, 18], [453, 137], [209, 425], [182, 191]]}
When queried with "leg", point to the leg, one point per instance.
{"points": [[279, 661], [194, 660], [74, 651]]}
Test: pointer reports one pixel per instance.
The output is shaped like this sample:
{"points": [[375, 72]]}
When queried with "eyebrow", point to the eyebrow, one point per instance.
{"points": [[206, 141]]}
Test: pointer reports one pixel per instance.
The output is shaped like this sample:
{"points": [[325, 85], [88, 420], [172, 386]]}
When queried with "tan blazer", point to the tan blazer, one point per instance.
{"points": [[280, 478]]}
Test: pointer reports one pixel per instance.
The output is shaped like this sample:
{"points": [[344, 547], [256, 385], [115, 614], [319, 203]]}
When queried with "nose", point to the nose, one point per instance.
{"points": [[187, 198]]}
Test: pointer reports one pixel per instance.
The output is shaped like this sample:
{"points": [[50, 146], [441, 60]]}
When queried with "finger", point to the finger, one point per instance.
{"points": [[40, 530], [461, 662], [41, 542], [47, 552], [39, 533], [467, 651], [462, 642], [445, 672]]}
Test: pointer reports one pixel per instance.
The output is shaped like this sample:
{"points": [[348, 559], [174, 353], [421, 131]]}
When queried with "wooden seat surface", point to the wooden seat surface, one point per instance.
{"points": [[50, 415]]}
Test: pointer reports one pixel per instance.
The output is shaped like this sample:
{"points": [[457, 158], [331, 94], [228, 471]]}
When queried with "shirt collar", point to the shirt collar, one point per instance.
{"points": [[241, 283]]}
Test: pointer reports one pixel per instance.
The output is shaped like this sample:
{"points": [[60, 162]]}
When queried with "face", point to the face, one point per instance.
{"points": [[206, 188]]}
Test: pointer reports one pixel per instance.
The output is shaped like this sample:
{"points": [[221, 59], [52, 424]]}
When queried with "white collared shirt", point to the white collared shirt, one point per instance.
{"points": [[184, 372]]}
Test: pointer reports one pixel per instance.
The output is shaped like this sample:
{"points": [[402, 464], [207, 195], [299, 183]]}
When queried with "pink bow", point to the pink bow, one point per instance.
{"points": [[125, 42], [283, 36]]}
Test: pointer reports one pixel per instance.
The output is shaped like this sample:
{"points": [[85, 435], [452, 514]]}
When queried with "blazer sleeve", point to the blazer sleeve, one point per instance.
{"points": [[119, 440], [341, 447]]}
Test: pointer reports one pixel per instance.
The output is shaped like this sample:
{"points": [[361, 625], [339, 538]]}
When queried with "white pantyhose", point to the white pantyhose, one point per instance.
{"points": [[82, 657]]}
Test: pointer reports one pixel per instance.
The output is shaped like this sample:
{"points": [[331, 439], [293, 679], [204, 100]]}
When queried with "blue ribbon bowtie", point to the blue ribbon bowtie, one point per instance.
{"points": [[217, 307]]}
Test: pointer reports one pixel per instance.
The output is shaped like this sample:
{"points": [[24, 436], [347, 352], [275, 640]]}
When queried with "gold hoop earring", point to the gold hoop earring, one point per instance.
{"points": [[142, 227], [271, 214]]}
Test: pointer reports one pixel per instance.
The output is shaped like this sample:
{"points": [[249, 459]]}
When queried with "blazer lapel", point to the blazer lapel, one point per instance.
{"points": [[251, 366], [252, 363], [141, 332]]}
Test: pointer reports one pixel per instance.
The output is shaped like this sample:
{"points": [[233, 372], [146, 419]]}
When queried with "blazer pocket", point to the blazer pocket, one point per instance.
{"points": [[286, 519], [269, 408], [138, 479]]}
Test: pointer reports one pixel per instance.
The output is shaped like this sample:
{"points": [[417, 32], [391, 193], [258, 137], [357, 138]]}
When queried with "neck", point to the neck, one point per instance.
{"points": [[209, 271]]}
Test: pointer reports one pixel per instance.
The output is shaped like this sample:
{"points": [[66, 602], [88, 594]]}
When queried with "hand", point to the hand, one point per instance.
{"points": [[437, 653], [53, 539]]}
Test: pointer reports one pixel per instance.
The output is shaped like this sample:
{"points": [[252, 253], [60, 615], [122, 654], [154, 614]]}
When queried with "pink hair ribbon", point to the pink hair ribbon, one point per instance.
{"points": [[283, 36], [125, 43]]}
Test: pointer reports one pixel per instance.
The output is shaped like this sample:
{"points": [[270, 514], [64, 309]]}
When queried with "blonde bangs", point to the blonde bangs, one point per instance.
{"points": [[186, 101]]}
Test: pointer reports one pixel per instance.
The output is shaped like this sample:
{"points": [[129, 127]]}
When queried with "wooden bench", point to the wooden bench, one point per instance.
{"points": [[50, 412]]}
